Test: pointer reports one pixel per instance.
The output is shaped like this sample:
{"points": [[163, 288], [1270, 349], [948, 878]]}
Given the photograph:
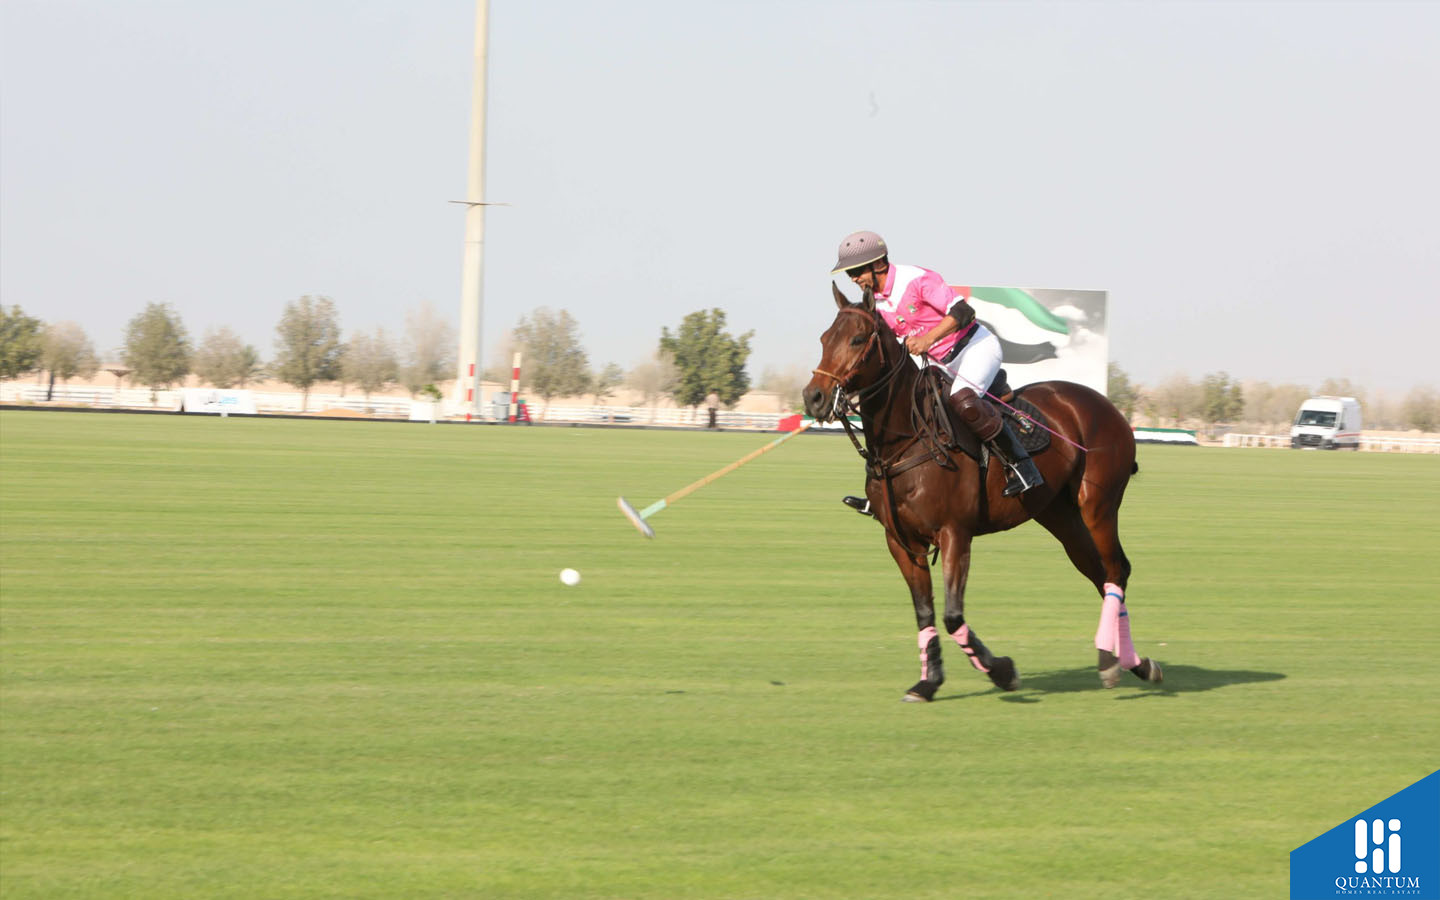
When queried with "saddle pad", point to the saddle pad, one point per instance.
{"points": [[1032, 437]]}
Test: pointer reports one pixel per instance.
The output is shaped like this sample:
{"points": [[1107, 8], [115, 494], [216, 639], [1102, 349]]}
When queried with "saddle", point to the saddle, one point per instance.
{"points": [[1024, 416]]}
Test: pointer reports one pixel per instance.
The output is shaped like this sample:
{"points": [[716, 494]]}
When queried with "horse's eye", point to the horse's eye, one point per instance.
{"points": [[857, 340]]}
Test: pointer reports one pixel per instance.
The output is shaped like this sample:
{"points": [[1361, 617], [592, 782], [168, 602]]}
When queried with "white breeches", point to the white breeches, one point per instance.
{"points": [[977, 364]]}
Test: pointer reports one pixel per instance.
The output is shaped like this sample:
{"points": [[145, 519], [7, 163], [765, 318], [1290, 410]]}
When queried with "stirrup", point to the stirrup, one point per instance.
{"points": [[1016, 482], [859, 504], [1021, 473]]}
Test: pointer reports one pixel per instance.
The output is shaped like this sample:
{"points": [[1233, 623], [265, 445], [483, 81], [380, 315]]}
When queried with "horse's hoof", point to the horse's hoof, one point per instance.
{"points": [[922, 692], [1003, 673], [1110, 677], [1109, 669], [1148, 670]]}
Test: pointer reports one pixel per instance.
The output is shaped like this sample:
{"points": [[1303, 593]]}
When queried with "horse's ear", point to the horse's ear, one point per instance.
{"points": [[840, 300], [868, 300]]}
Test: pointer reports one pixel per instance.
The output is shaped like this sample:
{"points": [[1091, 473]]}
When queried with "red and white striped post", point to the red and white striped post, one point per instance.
{"points": [[514, 386], [470, 393]]}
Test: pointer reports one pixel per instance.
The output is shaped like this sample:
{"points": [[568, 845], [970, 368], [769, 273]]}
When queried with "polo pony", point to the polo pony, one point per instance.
{"points": [[933, 486]]}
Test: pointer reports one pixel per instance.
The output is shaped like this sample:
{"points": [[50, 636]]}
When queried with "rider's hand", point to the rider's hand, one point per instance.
{"points": [[917, 344]]}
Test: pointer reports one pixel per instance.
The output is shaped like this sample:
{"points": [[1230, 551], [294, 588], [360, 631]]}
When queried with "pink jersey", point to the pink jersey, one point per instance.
{"points": [[915, 300]]}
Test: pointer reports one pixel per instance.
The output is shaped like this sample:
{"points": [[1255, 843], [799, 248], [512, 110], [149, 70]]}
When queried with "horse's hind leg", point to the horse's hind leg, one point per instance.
{"points": [[1112, 637], [1094, 549]]}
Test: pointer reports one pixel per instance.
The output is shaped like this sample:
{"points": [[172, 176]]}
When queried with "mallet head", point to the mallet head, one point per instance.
{"points": [[634, 517]]}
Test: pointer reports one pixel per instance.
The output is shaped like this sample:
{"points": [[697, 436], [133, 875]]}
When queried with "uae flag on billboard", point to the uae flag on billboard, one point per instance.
{"points": [[1046, 334]]}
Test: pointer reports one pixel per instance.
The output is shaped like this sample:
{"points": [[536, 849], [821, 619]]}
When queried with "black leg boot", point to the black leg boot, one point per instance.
{"points": [[859, 504], [1020, 472]]}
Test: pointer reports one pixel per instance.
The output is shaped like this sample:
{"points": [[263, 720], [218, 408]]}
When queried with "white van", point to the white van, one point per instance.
{"points": [[1327, 423]]}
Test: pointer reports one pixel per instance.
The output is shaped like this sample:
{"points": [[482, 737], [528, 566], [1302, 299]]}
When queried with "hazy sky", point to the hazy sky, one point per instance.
{"points": [[1256, 184]]}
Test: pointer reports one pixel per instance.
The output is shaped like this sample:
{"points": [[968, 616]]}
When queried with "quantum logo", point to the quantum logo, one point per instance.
{"points": [[1385, 853], [1377, 851], [1363, 856]]}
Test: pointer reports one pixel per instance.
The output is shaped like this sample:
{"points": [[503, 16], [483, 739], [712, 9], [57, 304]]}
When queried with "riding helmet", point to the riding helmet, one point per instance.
{"points": [[859, 249]]}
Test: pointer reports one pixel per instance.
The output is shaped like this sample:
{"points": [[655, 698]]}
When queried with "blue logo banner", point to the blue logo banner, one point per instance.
{"points": [[1391, 849]]}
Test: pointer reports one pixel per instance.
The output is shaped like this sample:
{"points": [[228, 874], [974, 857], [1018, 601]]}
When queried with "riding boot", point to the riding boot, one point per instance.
{"points": [[992, 428], [1020, 472], [860, 505]]}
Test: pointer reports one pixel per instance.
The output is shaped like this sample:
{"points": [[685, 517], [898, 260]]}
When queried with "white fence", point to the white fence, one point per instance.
{"points": [[1370, 443], [1399, 444], [1257, 440], [644, 415], [128, 398], [144, 398], [395, 407]]}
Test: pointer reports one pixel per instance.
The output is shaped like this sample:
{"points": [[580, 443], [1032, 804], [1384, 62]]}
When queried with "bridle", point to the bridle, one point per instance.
{"points": [[864, 354], [843, 402]]}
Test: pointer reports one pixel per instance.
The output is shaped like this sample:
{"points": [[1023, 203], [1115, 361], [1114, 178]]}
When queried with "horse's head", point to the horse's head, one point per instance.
{"points": [[851, 356]]}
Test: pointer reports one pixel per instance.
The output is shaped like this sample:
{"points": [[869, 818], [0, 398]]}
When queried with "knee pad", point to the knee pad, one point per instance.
{"points": [[978, 415]]}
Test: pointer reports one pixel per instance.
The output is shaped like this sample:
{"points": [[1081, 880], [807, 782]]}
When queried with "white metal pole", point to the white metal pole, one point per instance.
{"points": [[472, 282]]}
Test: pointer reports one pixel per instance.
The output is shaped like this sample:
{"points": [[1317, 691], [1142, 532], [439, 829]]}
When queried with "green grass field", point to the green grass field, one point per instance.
{"points": [[276, 659]]}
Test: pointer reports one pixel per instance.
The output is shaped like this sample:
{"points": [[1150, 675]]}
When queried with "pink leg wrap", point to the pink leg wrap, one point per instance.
{"points": [[962, 637], [926, 636], [1114, 631]]}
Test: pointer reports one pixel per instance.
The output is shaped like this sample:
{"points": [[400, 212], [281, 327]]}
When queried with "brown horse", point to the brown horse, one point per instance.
{"points": [[928, 494]]}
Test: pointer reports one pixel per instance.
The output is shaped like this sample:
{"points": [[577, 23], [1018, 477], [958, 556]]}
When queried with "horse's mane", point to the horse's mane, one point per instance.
{"points": [[887, 337]]}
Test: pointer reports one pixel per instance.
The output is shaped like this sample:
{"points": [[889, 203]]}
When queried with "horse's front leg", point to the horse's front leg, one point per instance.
{"points": [[955, 556], [917, 575]]}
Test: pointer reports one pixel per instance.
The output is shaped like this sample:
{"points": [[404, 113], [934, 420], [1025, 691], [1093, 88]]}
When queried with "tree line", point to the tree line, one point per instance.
{"points": [[699, 357], [1218, 399], [158, 351]]}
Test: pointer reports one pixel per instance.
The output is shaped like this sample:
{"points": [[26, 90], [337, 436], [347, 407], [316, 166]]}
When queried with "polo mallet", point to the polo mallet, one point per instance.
{"points": [[637, 518]]}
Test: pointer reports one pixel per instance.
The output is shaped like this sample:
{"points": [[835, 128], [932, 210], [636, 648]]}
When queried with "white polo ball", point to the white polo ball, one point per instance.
{"points": [[570, 577]]}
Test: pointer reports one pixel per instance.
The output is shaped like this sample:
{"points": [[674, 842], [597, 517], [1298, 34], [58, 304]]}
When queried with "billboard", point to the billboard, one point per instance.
{"points": [[1046, 334]]}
